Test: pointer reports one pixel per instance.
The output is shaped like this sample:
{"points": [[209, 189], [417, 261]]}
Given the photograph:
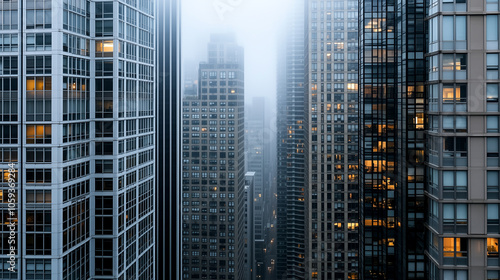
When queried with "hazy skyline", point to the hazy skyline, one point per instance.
{"points": [[256, 24]]}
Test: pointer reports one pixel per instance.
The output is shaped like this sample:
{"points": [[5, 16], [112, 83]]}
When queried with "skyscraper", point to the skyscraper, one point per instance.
{"points": [[290, 148], [463, 140], [331, 139], [168, 103], [392, 139], [213, 166], [78, 124]]}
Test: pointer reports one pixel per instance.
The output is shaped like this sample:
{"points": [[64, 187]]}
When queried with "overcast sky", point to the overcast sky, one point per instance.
{"points": [[256, 24]]}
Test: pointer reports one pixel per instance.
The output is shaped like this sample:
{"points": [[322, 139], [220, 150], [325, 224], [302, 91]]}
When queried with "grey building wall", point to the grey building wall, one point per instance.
{"points": [[463, 138]]}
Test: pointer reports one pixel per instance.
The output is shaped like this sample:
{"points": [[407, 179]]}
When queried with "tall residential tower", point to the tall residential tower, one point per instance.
{"points": [[213, 165], [463, 140], [331, 139], [290, 148]]}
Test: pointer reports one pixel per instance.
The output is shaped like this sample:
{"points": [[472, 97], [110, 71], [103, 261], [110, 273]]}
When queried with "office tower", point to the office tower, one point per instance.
{"points": [[254, 157], [290, 235], [331, 145], [250, 263], [77, 122], [213, 166], [168, 194], [463, 166], [392, 107]]}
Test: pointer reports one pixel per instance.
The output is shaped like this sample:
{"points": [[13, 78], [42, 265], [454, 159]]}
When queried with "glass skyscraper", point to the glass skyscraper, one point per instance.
{"points": [[392, 139], [78, 124]]}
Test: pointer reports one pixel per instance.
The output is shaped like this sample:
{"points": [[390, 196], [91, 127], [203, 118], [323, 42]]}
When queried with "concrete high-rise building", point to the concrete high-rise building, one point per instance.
{"points": [[331, 140], [168, 194], [213, 164], [290, 232], [78, 124], [463, 140]]}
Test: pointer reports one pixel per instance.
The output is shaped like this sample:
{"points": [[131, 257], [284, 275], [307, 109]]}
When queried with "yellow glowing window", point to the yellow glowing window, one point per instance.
{"points": [[104, 48], [352, 275], [30, 84], [492, 248], [458, 94], [419, 121], [390, 242], [391, 222], [352, 86], [38, 134], [448, 94], [339, 46], [39, 84], [448, 247]]}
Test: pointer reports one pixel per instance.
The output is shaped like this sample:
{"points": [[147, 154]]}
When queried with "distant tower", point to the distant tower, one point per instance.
{"points": [[290, 235], [213, 164]]}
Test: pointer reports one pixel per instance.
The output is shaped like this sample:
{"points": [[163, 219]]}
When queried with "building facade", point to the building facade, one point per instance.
{"points": [[463, 140], [290, 232], [331, 140], [213, 166], [392, 139], [78, 125]]}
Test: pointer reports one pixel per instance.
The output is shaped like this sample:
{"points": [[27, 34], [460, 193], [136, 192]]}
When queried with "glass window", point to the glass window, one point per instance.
{"points": [[492, 247], [455, 275], [492, 92], [492, 146], [492, 32], [492, 274], [492, 124], [461, 28], [492, 218], [455, 247], [492, 66], [448, 28]]}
